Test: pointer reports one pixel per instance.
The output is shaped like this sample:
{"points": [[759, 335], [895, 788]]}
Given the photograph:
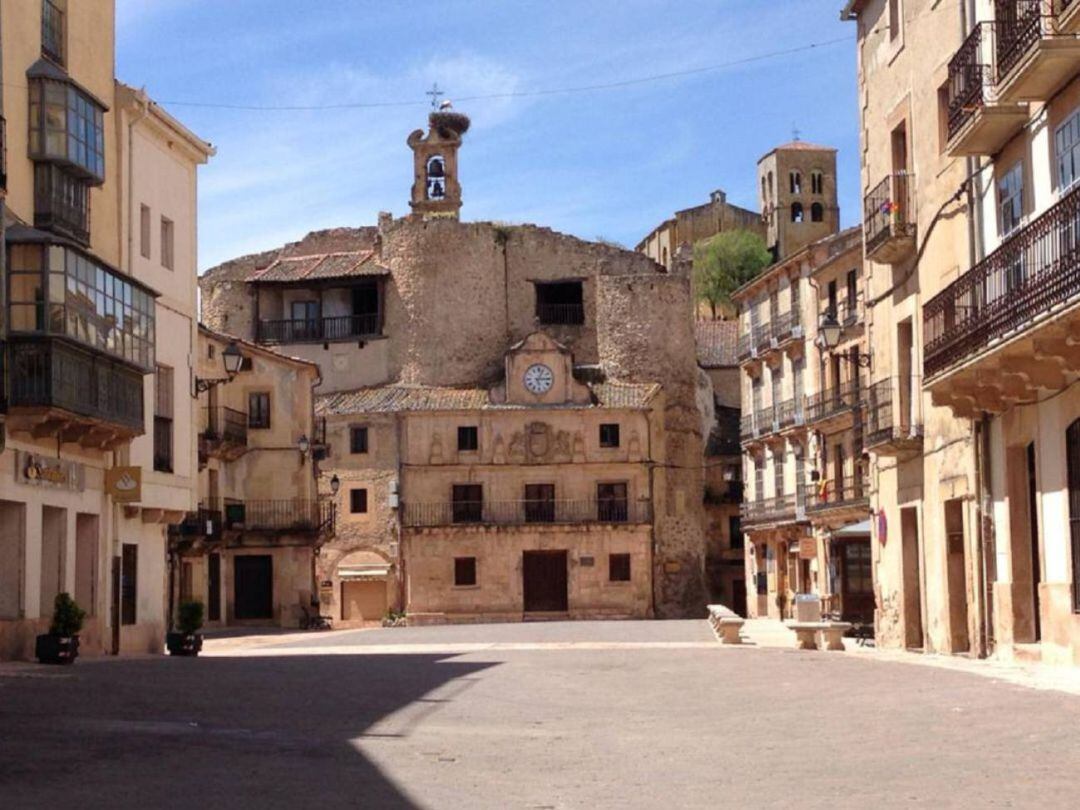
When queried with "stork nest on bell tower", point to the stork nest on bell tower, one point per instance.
{"points": [[447, 121]]}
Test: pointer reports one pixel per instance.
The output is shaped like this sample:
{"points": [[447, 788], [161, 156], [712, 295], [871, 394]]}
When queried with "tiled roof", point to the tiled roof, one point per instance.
{"points": [[716, 343], [803, 146], [398, 398], [320, 266]]}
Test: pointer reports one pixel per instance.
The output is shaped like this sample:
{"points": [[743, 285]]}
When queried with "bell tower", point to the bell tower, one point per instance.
{"points": [[436, 191]]}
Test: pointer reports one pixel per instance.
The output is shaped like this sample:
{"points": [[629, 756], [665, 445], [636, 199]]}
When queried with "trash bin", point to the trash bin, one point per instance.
{"points": [[807, 607]]}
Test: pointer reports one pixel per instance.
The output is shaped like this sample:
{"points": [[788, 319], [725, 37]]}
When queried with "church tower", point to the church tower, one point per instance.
{"points": [[798, 196], [436, 191]]}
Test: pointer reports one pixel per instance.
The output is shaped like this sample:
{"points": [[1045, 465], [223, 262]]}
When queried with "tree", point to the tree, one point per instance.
{"points": [[724, 263]]}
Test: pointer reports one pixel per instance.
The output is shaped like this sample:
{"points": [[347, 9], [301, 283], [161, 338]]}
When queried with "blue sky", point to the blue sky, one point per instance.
{"points": [[609, 163]]}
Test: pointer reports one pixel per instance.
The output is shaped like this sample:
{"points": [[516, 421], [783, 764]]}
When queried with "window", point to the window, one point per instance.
{"points": [[817, 182], [1067, 150], [1072, 459], [358, 440], [1010, 199], [795, 180], [464, 571], [895, 18], [53, 30], [618, 567], [468, 503], [778, 474], [163, 419], [817, 212], [259, 410], [144, 231], [539, 503], [468, 439], [305, 320], [366, 312], [209, 351], [436, 178], [66, 125], [609, 435], [167, 247], [796, 212], [560, 303], [735, 532], [61, 202], [611, 503], [358, 501], [832, 312], [129, 565]]}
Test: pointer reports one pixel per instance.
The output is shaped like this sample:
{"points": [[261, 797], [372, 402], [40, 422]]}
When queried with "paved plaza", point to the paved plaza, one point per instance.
{"points": [[560, 715]]}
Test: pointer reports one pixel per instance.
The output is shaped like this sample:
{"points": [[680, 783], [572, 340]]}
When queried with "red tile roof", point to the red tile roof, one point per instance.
{"points": [[716, 343], [321, 266]]}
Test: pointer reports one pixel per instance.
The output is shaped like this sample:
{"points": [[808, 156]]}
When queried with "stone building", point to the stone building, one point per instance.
{"points": [[803, 431], [798, 196], [692, 225], [248, 550], [428, 301], [969, 125], [96, 440]]}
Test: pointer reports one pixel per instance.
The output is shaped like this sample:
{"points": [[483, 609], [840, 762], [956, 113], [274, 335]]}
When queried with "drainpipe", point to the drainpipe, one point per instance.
{"points": [[401, 591], [652, 506]]}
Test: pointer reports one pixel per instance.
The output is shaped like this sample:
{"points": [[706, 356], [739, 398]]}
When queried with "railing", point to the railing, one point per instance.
{"points": [[833, 401], [1020, 25], [315, 330], [789, 412], [756, 424], [889, 210], [762, 335], [769, 510], [203, 522], [518, 513], [45, 373], [1033, 271], [887, 417], [561, 314], [969, 75], [730, 492], [784, 326], [52, 31], [295, 514], [226, 425], [850, 491], [743, 347], [61, 202]]}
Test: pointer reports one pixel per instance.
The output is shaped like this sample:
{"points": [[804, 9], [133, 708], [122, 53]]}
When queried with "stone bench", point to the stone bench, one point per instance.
{"points": [[726, 623], [831, 634]]}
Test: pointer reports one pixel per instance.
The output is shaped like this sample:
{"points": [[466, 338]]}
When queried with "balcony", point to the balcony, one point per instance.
{"points": [[205, 523], [979, 122], [76, 395], [61, 203], [891, 429], [1068, 16], [730, 493], [319, 330], [744, 347], [790, 414], [224, 433], [846, 498], [889, 220], [753, 426], [834, 403], [526, 513], [1012, 321], [769, 512], [288, 515], [1034, 59], [762, 337], [785, 328]]}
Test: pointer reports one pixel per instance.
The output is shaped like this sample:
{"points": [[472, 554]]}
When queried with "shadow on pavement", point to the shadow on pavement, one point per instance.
{"points": [[210, 732]]}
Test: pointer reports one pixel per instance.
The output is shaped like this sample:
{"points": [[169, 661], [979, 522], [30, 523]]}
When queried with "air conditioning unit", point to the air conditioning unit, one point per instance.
{"points": [[393, 500], [394, 490]]}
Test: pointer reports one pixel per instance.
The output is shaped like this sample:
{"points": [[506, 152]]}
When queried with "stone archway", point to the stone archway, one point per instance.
{"points": [[361, 587]]}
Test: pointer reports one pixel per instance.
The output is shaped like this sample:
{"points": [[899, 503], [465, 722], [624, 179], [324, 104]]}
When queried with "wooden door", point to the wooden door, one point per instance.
{"points": [[856, 582], [213, 595], [738, 597], [363, 601], [545, 581], [253, 586]]}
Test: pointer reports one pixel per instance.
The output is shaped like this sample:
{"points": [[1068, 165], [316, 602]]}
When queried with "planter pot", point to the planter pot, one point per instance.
{"points": [[183, 643], [51, 649]]}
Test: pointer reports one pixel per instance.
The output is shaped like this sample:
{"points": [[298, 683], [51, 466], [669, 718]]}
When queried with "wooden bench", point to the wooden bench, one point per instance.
{"points": [[726, 623]]}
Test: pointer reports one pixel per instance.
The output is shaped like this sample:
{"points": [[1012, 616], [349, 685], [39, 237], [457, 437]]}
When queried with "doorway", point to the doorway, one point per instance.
{"points": [[53, 554], [213, 595], [86, 562], [363, 600], [1033, 528], [544, 577], [912, 584], [856, 582], [957, 575], [738, 597], [253, 586]]}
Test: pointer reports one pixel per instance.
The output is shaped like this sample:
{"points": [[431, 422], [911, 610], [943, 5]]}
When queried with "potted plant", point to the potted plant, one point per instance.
{"points": [[187, 640], [61, 644]]}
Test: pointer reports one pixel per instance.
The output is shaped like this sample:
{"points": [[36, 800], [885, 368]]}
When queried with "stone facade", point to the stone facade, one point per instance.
{"points": [[798, 196], [692, 225]]}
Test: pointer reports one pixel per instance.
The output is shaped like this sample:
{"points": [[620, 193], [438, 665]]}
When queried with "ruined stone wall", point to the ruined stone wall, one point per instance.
{"points": [[645, 333]]}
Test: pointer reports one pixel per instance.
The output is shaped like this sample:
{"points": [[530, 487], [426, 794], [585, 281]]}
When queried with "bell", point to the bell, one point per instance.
{"points": [[437, 189], [435, 168]]}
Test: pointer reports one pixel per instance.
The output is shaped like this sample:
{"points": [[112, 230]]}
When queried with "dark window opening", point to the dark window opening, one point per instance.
{"points": [[619, 567], [464, 571], [259, 410], [609, 435], [163, 419], [611, 503], [796, 212], [817, 212], [358, 440], [52, 30], [560, 303], [305, 319], [61, 202], [358, 501], [366, 309], [735, 530], [468, 503], [468, 439], [539, 503]]}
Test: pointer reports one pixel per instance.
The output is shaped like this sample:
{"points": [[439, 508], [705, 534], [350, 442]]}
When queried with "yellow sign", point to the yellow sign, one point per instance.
{"points": [[124, 484]]}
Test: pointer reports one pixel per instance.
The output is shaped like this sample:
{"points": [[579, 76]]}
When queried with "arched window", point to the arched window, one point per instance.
{"points": [[436, 177], [1072, 461], [817, 212], [796, 183], [770, 185], [817, 182], [796, 212], [764, 193]]}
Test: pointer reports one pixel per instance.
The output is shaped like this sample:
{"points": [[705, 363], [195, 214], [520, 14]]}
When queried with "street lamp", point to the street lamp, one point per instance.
{"points": [[303, 444], [335, 484], [829, 331], [232, 359]]}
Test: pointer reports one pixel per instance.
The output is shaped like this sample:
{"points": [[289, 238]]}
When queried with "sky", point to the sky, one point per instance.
{"points": [[608, 164]]}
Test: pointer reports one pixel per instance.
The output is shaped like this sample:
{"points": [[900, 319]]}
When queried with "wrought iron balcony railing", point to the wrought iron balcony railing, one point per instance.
{"points": [[834, 401], [757, 424], [317, 330], [1034, 271], [1019, 24], [524, 512], [762, 336], [785, 325], [970, 76], [743, 347], [225, 425], [889, 404], [285, 515], [770, 510], [849, 492], [889, 215], [48, 373], [790, 413]]}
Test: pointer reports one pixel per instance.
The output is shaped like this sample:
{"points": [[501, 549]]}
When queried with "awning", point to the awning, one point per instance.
{"points": [[363, 573], [853, 530]]}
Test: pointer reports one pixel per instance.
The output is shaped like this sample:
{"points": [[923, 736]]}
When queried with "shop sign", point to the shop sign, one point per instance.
{"points": [[807, 548], [40, 471], [124, 484]]}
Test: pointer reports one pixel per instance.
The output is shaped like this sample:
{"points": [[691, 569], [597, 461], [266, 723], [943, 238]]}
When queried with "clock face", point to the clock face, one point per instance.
{"points": [[538, 378]]}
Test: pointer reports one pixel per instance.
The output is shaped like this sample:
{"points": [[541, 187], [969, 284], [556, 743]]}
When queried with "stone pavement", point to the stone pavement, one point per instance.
{"points": [[567, 715]]}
